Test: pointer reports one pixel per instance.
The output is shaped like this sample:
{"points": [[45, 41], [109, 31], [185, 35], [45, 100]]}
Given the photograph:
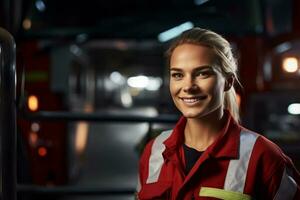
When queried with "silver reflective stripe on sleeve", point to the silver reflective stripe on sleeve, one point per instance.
{"points": [[287, 188], [156, 158], [237, 169]]}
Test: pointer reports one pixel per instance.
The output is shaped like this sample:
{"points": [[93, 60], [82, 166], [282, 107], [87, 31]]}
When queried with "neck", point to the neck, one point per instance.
{"points": [[200, 133]]}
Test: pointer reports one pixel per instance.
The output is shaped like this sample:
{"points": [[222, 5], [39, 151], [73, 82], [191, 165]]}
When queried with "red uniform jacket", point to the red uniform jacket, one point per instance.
{"points": [[240, 164]]}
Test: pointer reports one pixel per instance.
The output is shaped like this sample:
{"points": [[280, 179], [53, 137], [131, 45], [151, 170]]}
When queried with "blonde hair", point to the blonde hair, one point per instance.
{"points": [[225, 59]]}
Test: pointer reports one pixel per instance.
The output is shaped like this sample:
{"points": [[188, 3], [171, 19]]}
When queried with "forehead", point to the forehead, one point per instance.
{"points": [[192, 54]]}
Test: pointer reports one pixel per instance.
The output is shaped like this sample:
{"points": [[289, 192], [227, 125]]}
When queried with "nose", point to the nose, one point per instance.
{"points": [[190, 86]]}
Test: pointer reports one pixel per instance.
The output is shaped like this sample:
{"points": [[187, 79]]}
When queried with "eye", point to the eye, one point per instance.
{"points": [[204, 73], [176, 75]]}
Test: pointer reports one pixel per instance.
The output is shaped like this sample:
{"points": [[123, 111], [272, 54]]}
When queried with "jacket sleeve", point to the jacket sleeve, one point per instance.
{"points": [[284, 182], [143, 168]]}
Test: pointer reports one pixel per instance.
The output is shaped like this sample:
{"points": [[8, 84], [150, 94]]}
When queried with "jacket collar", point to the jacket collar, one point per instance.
{"points": [[226, 145]]}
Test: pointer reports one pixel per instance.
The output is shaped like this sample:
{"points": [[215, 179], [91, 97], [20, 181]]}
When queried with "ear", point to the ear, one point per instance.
{"points": [[229, 82]]}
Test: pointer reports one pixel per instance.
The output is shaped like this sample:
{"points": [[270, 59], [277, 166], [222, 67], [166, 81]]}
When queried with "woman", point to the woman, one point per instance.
{"points": [[208, 154]]}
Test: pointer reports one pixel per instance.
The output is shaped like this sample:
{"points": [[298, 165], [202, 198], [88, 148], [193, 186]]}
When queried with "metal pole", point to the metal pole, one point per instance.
{"points": [[99, 117], [8, 114], [73, 190]]}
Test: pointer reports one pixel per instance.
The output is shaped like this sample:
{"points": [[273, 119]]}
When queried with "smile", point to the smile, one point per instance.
{"points": [[191, 100]]}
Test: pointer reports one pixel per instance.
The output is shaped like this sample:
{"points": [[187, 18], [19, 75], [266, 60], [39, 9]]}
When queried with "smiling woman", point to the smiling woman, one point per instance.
{"points": [[195, 86], [209, 154]]}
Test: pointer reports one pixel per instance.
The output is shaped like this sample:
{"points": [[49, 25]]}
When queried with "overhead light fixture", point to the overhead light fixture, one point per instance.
{"points": [[145, 82], [138, 81], [154, 83], [174, 32], [40, 5], [117, 78], [200, 2], [290, 64], [294, 109], [283, 47]]}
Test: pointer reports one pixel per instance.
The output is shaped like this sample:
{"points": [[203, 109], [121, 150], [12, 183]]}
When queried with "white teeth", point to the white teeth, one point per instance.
{"points": [[190, 100]]}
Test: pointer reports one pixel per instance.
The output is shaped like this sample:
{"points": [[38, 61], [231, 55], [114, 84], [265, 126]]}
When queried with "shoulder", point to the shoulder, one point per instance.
{"points": [[155, 145], [275, 171], [268, 149], [152, 159], [263, 146], [267, 156]]}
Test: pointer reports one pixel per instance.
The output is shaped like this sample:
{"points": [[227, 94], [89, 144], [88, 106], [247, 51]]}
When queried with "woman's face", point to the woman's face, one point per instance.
{"points": [[197, 88]]}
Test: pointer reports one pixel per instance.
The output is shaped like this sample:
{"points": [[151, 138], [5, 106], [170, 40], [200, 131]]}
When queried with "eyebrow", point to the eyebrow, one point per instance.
{"points": [[199, 68]]}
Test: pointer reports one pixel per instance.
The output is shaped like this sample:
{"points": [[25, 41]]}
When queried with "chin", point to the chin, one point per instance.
{"points": [[200, 112], [193, 114]]}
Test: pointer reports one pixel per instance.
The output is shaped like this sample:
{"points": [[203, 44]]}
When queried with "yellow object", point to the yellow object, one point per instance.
{"points": [[33, 103], [222, 194]]}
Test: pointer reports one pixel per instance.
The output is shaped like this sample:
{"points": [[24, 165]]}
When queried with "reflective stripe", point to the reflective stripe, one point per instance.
{"points": [[138, 186], [237, 169], [287, 188], [156, 158], [222, 194]]}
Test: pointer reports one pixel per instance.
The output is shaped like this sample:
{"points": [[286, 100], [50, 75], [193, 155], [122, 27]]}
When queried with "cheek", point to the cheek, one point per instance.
{"points": [[173, 88], [219, 90], [214, 87]]}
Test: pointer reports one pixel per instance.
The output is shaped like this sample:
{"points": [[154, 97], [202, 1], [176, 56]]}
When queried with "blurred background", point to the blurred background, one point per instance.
{"points": [[93, 84]]}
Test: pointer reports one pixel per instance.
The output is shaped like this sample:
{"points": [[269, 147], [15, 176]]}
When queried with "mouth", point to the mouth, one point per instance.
{"points": [[192, 100]]}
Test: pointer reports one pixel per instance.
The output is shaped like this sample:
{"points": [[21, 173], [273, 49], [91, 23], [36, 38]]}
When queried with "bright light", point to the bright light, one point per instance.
{"points": [[26, 24], [81, 135], [174, 32], [40, 5], [283, 47], [117, 78], [33, 103], [294, 109], [145, 82], [35, 127], [126, 98], [82, 131], [138, 81], [290, 64], [42, 151], [154, 84]]}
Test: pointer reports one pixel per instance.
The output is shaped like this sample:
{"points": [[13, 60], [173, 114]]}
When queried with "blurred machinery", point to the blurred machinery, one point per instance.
{"points": [[104, 58]]}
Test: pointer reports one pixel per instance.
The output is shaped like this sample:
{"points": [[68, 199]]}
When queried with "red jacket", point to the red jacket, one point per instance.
{"points": [[240, 164]]}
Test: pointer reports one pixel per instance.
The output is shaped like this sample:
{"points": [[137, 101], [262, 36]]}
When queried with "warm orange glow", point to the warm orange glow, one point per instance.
{"points": [[27, 24], [33, 138], [290, 64], [88, 108], [42, 151], [82, 129], [33, 103]]}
